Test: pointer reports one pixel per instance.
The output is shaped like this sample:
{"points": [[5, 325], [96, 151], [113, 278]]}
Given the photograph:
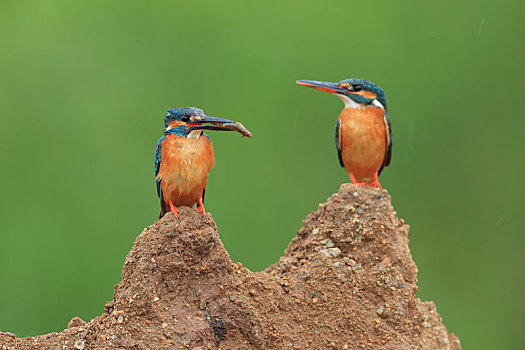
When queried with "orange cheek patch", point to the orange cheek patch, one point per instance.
{"points": [[367, 94], [175, 123]]}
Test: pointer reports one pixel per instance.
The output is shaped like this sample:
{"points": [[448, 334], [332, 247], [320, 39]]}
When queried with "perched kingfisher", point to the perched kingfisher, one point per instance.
{"points": [[363, 134], [184, 157]]}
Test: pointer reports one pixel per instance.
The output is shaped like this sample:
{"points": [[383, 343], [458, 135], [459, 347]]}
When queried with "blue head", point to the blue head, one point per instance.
{"points": [[354, 92], [182, 116]]}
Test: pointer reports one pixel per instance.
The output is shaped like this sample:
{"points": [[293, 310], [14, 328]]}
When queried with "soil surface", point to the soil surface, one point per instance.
{"points": [[346, 281]]}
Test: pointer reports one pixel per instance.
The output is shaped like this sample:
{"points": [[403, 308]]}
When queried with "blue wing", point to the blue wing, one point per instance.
{"points": [[388, 153], [158, 148], [337, 143]]}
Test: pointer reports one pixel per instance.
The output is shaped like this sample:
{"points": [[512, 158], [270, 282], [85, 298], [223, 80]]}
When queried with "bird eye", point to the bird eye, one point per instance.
{"points": [[358, 87], [185, 118]]}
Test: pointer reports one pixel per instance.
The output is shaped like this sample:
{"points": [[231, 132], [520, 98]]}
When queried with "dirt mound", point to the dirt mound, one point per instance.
{"points": [[347, 281]]}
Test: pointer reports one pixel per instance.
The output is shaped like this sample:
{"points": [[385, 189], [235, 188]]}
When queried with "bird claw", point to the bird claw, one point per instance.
{"points": [[200, 206], [376, 183], [354, 181], [174, 209]]}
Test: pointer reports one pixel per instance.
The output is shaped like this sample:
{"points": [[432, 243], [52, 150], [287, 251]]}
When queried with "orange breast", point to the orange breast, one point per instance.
{"points": [[363, 140], [185, 164]]}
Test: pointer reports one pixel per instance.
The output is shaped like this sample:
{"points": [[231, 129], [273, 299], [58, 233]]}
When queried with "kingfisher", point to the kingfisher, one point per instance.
{"points": [[363, 134], [184, 157]]}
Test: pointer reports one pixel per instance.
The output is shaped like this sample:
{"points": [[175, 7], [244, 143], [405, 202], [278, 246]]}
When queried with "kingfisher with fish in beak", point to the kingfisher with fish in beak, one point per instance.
{"points": [[363, 133], [184, 157]]}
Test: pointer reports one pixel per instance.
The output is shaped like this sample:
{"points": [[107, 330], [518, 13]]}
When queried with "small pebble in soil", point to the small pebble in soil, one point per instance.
{"points": [[330, 252], [328, 242], [79, 344], [381, 310]]}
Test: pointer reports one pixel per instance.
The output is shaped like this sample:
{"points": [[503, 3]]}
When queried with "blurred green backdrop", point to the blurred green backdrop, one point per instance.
{"points": [[84, 87]]}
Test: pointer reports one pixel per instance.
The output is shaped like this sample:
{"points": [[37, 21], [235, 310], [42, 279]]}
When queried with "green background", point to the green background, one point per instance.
{"points": [[84, 86]]}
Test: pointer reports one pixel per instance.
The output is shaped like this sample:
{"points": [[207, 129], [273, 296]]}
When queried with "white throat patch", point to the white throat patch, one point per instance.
{"points": [[195, 133], [378, 104], [349, 103]]}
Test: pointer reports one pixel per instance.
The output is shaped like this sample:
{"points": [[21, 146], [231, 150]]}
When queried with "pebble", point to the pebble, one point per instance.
{"points": [[328, 242], [79, 344], [381, 310], [120, 319], [330, 252]]}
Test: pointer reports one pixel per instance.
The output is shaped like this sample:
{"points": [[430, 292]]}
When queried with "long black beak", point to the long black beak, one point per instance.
{"points": [[213, 124], [323, 86]]}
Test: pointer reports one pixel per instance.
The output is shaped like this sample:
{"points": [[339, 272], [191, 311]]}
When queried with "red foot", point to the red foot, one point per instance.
{"points": [[174, 209], [354, 181], [200, 206], [376, 183]]}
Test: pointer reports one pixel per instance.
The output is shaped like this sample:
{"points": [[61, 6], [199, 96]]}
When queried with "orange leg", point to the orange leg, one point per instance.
{"points": [[376, 183], [354, 181], [174, 209], [200, 206]]}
